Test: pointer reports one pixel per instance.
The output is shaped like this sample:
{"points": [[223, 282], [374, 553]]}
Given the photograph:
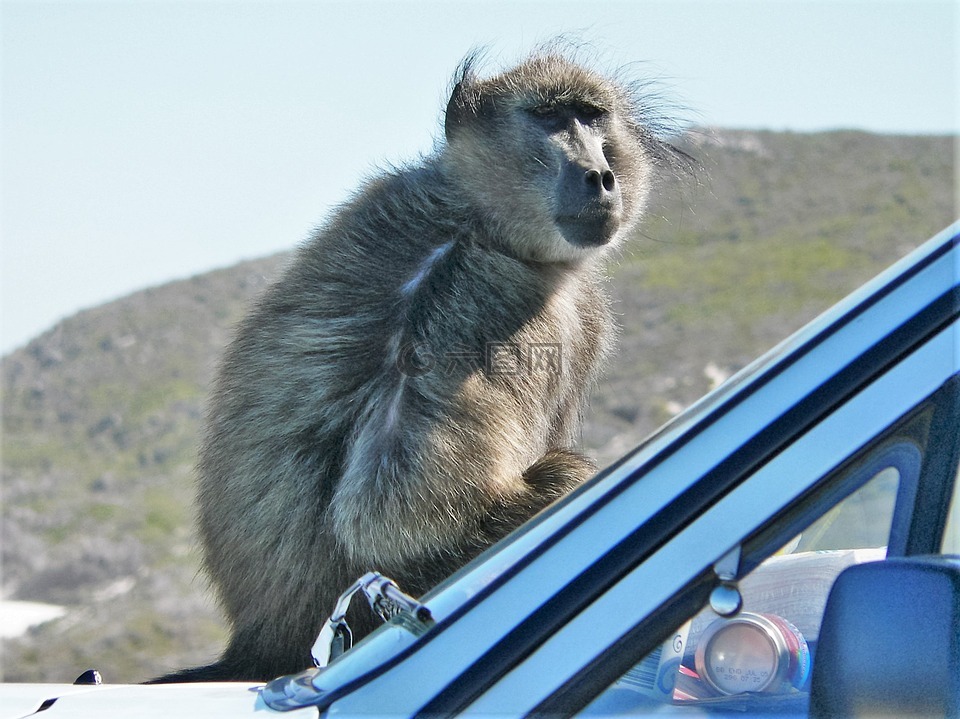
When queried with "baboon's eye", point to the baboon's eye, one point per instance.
{"points": [[544, 111], [551, 117], [588, 112], [556, 113]]}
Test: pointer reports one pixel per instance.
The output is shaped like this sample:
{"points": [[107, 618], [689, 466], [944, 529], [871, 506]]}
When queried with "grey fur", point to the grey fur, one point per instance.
{"points": [[411, 389]]}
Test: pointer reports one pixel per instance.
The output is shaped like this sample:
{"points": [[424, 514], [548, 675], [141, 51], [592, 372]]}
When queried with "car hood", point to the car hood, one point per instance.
{"points": [[208, 700]]}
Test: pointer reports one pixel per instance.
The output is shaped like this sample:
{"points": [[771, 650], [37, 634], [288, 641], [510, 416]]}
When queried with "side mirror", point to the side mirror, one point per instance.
{"points": [[889, 643]]}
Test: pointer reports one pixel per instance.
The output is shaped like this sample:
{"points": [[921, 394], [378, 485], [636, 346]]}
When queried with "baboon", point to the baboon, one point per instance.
{"points": [[411, 388]]}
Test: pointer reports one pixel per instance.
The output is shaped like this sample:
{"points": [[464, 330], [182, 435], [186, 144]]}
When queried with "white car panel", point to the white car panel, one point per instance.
{"points": [[228, 700]]}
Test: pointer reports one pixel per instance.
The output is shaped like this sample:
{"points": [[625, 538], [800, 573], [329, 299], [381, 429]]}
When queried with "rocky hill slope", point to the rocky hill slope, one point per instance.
{"points": [[101, 414]]}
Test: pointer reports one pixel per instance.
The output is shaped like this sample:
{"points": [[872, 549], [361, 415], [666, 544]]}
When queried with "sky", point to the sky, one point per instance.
{"points": [[145, 141]]}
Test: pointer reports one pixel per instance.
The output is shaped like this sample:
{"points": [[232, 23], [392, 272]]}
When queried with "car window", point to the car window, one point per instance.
{"points": [[951, 537], [768, 646]]}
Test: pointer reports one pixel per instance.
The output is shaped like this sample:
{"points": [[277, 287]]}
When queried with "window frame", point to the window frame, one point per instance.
{"points": [[501, 609]]}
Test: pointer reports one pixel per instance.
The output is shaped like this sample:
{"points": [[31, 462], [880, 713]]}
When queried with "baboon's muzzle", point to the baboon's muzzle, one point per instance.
{"points": [[590, 204]]}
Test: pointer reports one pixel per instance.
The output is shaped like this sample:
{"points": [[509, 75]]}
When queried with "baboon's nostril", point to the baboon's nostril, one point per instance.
{"points": [[608, 180], [598, 180]]}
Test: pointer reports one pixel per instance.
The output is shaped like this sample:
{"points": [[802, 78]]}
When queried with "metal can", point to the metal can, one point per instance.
{"points": [[752, 653]]}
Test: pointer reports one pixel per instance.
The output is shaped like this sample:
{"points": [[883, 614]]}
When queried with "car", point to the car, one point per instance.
{"points": [[788, 545]]}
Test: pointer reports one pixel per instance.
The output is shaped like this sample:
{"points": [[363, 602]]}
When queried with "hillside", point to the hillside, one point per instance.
{"points": [[101, 414]]}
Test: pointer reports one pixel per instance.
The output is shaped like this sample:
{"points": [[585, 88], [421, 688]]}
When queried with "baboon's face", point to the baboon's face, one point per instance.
{"points": [[550, 152]]}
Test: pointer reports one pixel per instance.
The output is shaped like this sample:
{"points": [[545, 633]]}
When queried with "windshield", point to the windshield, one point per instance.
{"points": [[761, 658]]}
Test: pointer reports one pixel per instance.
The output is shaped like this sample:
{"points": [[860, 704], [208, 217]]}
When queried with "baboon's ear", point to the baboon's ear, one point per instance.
{"points": [[464, 108], [459, 109], [465, 100]]}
